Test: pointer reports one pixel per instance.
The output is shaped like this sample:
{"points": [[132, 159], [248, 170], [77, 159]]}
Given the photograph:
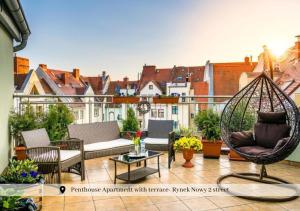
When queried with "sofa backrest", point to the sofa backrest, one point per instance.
{"points": [[36, 138], [95, 132], [159, 128]]}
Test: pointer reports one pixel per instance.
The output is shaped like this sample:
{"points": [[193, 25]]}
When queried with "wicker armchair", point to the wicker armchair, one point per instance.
{"points": [[54, 157], [161, 137]]}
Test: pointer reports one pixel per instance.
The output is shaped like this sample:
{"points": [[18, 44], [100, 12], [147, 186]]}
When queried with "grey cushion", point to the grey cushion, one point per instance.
{"points": [[240, 139], [267, 135], [255, 150], [95, 132], [36, 138], [272, 117], [159, 128]]}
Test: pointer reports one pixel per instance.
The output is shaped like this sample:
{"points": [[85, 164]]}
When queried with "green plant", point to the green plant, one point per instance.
{"points": [[21, 172], [242, 120], [131, 122], [208, 122], [9, 202], [136, 141], [23, 121], [188, 143], [56, 121], [185, 132]]}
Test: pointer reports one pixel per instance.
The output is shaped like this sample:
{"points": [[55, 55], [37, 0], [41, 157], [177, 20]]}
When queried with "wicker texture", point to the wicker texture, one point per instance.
{"points": [[262, 94], [48, 157]]}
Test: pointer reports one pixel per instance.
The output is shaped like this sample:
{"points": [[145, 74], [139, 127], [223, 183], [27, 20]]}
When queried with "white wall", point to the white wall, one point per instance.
{"points": [[150, 92]]}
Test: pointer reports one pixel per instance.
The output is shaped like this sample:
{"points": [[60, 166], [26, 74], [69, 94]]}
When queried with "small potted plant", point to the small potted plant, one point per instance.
{"points": [[188, 145], [162, 99], [208, 122]]}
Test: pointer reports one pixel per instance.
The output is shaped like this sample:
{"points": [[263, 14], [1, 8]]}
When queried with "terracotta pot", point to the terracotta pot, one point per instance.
{"points": [[211, 149], [165, 100], [234, 156], [126, 100], [20, 152], [188, 156]]}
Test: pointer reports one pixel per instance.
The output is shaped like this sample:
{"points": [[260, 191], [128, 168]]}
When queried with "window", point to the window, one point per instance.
{"points": [[183, 97], [76, 115], [174, 109], [81, 114], [161, 113], [153, 113], [96, 112], [151, 87], [175, 125]]}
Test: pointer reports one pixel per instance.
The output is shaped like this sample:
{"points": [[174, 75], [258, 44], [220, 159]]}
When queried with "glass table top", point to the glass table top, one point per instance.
{"points": [[132, 157]]}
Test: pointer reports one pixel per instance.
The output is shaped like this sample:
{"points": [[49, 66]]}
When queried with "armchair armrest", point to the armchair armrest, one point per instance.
{"points": [[69, 144], [172, 138], [47, 154]]}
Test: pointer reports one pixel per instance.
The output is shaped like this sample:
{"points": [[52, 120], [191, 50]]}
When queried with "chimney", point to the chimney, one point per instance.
{"points": [[66, 78], [125, 79], [297, 47], [43, 66], [76, 73], [21, 65], [247, 60]]}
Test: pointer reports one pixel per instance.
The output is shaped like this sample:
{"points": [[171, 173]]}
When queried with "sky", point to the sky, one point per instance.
{"points": [[120, 36]]}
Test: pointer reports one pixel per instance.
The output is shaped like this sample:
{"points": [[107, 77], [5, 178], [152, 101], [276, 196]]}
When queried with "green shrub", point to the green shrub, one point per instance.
{"points": [[208, 121], [26, 120], [130, 123], [186, 132], [56, 121]]}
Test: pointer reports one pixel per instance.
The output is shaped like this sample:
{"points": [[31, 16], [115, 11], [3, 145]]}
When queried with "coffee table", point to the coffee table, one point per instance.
{"points": [[139, 173]]}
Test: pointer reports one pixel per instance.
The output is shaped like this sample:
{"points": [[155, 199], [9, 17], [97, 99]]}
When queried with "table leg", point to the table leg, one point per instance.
{"points": [[158, 166], [115, 180], [129, 173], [145, 163]]}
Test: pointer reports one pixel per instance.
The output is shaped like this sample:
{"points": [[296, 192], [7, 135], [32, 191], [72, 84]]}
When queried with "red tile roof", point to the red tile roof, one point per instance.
{"points": [[95, 82], [19, 80]]}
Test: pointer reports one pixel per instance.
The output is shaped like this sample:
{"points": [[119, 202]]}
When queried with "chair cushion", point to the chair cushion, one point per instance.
{"points": [[281, 143], [107, 145], [163, 141], [267, 135], [272, 117], [255, 150], [67, 154], [240, 139], [159, 128]]}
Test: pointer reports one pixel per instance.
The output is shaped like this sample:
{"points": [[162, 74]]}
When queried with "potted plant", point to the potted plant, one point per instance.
{"points": [[208, 122], [27, 119], [130, 124], [188, 145], [162, 99], [56, 121], [21, 172], [126, 99], [236, 125]]}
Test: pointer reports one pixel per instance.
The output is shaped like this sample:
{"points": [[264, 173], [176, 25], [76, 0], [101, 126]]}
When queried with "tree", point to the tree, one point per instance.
{"points": [[130, 123]]}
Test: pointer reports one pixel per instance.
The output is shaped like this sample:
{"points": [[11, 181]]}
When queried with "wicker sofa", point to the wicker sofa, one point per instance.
{"points": [[100, 139]]}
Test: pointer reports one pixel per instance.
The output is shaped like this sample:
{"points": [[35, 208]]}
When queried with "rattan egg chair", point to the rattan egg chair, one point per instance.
{"points": [[268, 114]]}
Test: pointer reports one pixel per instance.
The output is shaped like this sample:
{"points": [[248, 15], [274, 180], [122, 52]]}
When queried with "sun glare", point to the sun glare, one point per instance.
{"points": [[277, 49]]}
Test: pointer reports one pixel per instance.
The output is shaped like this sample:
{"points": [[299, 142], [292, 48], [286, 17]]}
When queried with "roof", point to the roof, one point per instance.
{"points": [[19, 79], [161, 76], [95, 82], [291, 75], [227, 76], [115, 86]]}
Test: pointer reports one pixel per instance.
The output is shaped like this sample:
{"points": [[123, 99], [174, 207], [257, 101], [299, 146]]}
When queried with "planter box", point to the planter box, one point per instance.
{"points": [[211, 149], [234, 156], [126, 100], [165, 100]]}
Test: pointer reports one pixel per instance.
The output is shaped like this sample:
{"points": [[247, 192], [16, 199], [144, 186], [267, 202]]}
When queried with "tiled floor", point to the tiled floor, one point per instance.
{"points": [[101, 171]]}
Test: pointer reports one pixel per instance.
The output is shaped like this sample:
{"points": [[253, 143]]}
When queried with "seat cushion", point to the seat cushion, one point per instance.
{"points": [[240, 139], [267, 135], [163, 141], [272, 117], [107, 145], [255, 150], [67, 154]]}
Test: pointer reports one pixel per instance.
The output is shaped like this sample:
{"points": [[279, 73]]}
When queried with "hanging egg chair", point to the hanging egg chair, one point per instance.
{"points": [[261, 124]]}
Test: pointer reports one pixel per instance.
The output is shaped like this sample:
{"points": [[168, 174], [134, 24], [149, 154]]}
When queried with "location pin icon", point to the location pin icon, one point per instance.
{"points": [[62, 189]]}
